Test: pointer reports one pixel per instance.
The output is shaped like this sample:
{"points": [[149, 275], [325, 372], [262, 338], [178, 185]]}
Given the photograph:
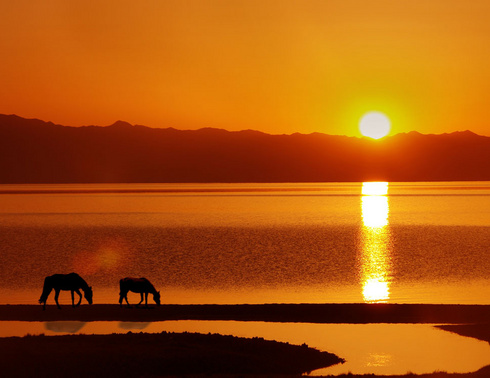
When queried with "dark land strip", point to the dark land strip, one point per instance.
{"points": [[307, 313]]}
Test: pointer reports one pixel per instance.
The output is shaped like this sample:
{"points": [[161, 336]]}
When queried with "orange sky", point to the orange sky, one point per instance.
{"points": [[276, 66]]}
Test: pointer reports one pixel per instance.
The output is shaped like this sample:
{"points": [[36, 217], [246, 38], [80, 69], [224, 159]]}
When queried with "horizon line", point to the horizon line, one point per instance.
{"points": [[121, 123]]}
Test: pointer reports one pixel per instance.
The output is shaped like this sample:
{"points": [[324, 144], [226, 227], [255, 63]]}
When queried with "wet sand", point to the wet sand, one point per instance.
{"points": [[310, 313]]}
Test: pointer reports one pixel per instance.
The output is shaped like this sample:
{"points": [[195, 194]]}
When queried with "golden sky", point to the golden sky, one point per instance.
{"points": [[277, 66]]}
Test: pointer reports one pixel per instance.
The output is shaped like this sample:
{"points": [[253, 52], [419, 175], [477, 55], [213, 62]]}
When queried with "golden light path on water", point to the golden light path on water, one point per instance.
{"points": [[375, 242]]}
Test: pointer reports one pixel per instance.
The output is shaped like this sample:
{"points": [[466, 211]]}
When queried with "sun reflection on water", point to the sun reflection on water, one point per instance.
{"points": [[374, 188], [375, 241], [378, 359], [374, 211]]}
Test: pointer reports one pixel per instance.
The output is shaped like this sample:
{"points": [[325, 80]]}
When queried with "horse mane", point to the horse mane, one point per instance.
{"points": [[153, 290], [83, 284]]}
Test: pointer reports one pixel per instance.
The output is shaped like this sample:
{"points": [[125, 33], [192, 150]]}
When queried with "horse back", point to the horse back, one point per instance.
{"points": [[65, 281], [136, 285]]}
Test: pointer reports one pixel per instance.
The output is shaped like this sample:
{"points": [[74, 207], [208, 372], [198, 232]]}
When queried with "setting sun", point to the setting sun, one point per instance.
{"points": [[374, 125]]}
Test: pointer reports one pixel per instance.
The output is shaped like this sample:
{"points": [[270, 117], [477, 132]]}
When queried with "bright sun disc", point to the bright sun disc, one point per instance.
{"points": [[374, 125]]}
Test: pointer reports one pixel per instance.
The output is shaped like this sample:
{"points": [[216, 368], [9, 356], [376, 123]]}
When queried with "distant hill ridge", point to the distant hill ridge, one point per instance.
{"points": [[34, 151]]}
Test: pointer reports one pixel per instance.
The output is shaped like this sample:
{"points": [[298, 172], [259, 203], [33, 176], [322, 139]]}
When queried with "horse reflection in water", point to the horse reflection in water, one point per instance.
{"points": [[137, 285], [72, 282]]}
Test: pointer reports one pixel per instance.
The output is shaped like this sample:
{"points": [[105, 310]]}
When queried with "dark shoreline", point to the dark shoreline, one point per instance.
{"points": [[308, 313]]}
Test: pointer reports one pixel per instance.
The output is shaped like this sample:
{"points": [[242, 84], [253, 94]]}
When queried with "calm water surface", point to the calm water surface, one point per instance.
{"points": [[247, 243]]}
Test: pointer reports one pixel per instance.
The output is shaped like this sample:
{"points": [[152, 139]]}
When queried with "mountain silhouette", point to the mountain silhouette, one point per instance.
{"points": [[34, 151]]}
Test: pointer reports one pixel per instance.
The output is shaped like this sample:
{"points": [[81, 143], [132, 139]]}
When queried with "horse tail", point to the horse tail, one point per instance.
{"points": [[47, 287]]}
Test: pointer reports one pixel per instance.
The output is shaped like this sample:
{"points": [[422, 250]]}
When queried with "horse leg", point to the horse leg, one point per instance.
{"points": [[121, 298], [141, 301], [123, 295], [146, 299], [72, 299], [56, 295], [79, 297]]}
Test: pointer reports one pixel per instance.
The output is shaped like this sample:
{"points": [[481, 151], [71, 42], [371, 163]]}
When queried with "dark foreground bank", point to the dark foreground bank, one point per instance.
{"points": [[142, 354], [311, 313]]}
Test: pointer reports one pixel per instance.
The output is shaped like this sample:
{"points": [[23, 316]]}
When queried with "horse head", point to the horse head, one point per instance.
{"points": [[156, 297], [89, 294]]}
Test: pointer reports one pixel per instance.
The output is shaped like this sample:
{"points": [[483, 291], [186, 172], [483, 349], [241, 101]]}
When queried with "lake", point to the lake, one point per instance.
{"points": [[251, 243]]}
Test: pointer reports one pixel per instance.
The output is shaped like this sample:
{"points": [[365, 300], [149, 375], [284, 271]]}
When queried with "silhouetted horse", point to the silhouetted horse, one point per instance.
{"points": [[72, 282], [137, 285]]}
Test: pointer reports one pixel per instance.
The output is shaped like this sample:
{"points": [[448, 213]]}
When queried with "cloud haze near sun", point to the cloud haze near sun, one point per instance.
{"points": [[276, 66]]}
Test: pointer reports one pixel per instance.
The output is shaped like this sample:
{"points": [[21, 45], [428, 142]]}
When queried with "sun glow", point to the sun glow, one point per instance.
{"points": [[374, 125]]}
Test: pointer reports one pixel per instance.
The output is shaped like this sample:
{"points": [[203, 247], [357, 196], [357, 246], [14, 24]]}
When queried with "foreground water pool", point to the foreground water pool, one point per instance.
{"points": [[367, 348]]}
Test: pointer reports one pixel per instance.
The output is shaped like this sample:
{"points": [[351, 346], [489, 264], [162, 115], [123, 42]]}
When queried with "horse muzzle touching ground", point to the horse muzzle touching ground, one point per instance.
{"points": [[89, 295], [156, 298]]}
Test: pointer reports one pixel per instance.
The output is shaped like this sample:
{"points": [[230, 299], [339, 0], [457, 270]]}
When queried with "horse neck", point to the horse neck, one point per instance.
{"points": [[46, 290], [83, 285], [152, 288]]}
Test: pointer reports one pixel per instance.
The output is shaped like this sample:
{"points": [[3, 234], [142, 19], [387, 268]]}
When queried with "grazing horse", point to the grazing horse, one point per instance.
{"points": [[137, 285], [72, 282]]}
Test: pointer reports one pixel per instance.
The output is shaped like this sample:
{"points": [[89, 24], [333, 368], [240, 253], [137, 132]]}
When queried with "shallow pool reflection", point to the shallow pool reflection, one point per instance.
{"points": [[368, 348], [64, 326]]}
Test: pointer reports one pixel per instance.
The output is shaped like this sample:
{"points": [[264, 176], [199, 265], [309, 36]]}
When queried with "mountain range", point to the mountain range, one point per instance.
{"points": [[34, 151]]}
